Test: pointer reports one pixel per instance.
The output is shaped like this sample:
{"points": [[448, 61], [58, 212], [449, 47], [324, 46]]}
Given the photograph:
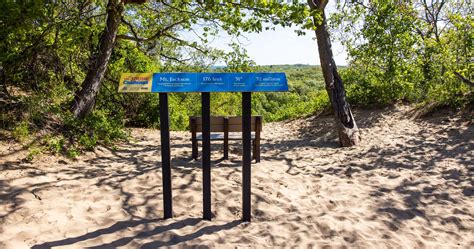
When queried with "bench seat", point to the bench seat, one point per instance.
{"points": [[226, 128], [220, 136]]}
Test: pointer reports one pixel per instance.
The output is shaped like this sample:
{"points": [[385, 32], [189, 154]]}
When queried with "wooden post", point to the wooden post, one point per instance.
{"points": [[165, 156], [254, 150], [206, 154], [226, 138], [258, 129], [193, 138], [246, 155]]}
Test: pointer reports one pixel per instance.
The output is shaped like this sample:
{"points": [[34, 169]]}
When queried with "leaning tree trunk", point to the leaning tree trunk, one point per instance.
{"points": [[84, 100], [345, 123]]}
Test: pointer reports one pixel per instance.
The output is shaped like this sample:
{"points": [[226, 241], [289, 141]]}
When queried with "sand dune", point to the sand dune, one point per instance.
{"points": [[409, 184]]}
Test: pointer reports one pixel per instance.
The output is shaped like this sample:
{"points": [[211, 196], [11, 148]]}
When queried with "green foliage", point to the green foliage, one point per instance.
{"points": [[21, 131], [98, 127], [46, 50], [32, 152], [405, 52], [72, 153], [54, 144]]}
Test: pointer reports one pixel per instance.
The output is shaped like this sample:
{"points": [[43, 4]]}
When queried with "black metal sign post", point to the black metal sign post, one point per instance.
{"points": [[206, 155], [205, 83], [165, 156], [246, 154]]}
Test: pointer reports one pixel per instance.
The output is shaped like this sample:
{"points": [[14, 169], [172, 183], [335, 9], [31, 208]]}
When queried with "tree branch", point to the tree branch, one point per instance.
{"points": [[136, 38], [184, 42], [464, 79], [130, 26], [174, 58]]}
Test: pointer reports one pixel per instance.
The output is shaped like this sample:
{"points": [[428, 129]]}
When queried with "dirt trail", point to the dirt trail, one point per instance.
{"points": [[409, 184]]}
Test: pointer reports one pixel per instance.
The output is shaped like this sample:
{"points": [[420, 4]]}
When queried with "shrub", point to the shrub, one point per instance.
{"points": [[21, 131], [98, 127]]}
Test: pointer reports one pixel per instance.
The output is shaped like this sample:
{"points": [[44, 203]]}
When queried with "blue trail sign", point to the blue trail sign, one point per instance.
{"points": [[203, 82]]}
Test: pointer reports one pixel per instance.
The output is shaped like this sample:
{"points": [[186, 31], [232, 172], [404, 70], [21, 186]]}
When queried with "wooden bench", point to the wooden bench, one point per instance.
{"points": [[222, 128]]}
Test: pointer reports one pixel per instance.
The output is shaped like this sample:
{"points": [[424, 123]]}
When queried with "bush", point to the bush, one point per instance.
{"points": [[21, 132], [98, 127], [55, 144]]}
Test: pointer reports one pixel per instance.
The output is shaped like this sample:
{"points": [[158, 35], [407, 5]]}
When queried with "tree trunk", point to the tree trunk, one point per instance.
{"points": [[84, 100], [345, 123]]}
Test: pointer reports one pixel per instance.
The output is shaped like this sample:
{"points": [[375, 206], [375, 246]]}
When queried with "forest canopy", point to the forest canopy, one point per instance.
{"points": [[416, 52]]}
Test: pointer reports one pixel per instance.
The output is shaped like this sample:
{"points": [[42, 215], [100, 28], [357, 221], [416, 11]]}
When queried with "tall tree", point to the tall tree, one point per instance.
{"points": [[345, 123], [85, 98]]}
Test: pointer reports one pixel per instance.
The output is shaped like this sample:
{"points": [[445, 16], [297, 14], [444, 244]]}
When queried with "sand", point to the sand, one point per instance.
{"points": [[408, 185]]}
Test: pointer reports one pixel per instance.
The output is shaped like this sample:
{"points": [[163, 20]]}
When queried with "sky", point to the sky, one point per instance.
{"points": [[281, 46], [284, 46]]}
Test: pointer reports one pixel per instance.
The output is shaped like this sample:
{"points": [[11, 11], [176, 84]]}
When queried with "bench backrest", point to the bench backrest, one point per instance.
{"points": [[219, 123]]}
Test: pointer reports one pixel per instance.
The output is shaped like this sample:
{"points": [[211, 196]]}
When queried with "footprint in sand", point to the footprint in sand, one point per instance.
{"points": [[349, 237], [331, 206], [325, 230]]}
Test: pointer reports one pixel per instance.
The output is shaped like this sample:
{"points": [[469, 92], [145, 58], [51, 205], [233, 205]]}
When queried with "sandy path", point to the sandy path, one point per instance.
{"points": [[409, 184]]}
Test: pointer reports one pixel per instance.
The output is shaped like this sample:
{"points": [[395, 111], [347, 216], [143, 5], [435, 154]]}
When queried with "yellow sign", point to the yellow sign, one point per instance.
{"points": [[135, 82]]}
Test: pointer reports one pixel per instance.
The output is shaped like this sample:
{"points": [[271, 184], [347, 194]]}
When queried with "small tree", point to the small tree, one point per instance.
{"points": [[345, 123]]}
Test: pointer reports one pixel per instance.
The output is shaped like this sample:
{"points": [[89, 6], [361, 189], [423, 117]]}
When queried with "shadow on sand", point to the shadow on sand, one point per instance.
{"points": [[156, 229], [417, 155]]}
